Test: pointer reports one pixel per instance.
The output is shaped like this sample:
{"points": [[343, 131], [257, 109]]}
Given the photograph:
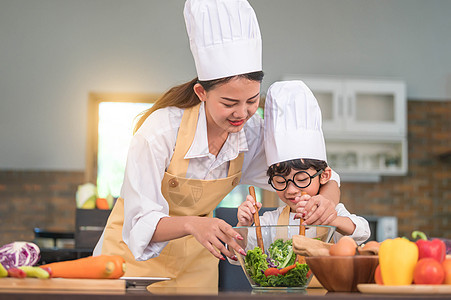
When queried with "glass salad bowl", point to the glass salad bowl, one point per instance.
{"points": [[278, 267]]}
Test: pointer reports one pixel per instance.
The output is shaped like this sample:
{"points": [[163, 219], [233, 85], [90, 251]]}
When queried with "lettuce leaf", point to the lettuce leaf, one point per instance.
{"points": [[280, 254]]}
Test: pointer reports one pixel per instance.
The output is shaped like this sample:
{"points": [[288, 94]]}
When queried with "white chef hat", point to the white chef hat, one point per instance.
{"points": [[292, 123], [224, 37]]}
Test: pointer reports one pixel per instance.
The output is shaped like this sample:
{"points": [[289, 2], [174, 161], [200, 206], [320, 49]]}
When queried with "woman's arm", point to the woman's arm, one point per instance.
{"points": [[331, 191], [207, 231]]}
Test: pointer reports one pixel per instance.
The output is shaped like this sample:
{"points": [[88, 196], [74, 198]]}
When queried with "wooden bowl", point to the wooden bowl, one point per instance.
{"points": [[343, 273]]}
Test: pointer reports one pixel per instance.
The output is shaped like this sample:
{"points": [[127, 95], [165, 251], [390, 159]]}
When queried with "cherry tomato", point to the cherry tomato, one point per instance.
{"points": [[378, 275], [428, 271], [447, 267]]}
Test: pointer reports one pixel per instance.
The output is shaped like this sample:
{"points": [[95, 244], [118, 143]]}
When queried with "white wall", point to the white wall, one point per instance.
{"points": [[54, 52]]}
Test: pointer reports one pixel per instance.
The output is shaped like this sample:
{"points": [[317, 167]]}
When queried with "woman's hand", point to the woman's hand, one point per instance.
{"points": [[211, 231], [316, 210], [246, 210]]}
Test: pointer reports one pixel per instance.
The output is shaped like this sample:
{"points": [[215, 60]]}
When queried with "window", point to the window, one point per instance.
{"points": [[116, 123], [111, 119]]}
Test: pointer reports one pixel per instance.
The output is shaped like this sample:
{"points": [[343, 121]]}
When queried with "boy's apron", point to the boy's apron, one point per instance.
{"points": [[284, 219], [184, 260]]}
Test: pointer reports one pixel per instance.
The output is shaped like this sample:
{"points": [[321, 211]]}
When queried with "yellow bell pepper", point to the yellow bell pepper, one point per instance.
{"points": [[397, 260]]}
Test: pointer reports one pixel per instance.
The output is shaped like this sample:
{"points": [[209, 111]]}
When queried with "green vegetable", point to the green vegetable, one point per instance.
{"points": [[294, 277], [35, 272], [3, 271], [280, 254], [256, 264]]}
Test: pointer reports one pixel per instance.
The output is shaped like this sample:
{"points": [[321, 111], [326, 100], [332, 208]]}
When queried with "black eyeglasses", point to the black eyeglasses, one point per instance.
{"points": [[301, 179]]}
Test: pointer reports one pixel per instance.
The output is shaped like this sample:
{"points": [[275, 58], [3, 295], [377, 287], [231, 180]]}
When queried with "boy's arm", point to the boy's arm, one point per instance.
{"points": [[361, 230], [344, 225]]}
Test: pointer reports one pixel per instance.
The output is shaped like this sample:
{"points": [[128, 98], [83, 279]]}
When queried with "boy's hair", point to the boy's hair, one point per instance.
{"points": [[284, 168]]}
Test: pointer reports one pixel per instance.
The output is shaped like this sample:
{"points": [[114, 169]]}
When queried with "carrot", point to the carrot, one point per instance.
{"points": [[286, 269], [91, 267], [120, 266]]}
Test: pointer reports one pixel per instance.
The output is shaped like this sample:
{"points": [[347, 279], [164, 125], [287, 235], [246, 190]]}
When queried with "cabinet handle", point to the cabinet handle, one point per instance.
{"points": [[340, 109]]}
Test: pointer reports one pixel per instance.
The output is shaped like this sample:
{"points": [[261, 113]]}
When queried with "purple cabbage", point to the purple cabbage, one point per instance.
{"points": [[271, 263], [18, 254], [447, 244]]}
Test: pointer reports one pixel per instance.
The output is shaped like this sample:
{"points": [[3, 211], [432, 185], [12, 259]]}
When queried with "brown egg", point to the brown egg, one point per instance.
{"points": [[369, 248], [346, 246], [371, 245]]}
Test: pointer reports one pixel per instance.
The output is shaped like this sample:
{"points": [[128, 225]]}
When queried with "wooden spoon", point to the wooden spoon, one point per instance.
{"points": [[299, 258], [257, 220]]}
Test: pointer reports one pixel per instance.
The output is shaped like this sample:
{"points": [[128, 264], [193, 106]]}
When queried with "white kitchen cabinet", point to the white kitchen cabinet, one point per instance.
{"points": [[364, 124], [360, 106]]}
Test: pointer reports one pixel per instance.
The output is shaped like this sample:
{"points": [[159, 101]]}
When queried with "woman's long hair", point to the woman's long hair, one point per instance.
{"points": [[183, 96]]}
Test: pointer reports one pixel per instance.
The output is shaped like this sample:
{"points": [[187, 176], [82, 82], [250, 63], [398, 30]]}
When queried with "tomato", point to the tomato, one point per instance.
{"points": [[378, 275], [447, 267], [271, 271], [428, 271]]}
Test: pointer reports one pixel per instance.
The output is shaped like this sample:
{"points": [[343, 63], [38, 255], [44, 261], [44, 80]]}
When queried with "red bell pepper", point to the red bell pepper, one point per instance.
{"points": [[272, 271], [275, 271], [434, 248], [286, 269]]}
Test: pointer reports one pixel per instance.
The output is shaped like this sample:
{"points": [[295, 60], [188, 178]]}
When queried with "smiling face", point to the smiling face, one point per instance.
{"points": [[292, 191], [228, 106]]}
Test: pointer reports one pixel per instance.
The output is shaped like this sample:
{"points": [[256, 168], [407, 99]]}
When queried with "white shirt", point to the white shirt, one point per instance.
{"points": [[361, 232], [149, 155]]}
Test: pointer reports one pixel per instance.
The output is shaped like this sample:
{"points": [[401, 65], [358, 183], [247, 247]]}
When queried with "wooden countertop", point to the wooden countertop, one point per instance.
{"points": [[193, 293]]}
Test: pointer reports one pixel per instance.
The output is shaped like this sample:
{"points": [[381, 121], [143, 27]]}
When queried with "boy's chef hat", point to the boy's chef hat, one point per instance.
{"points": [[292, 123], [224, 37]]}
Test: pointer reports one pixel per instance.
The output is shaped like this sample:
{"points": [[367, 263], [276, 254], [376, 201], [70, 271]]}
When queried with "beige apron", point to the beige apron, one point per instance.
{"points": [[185, 260], [282, 233], [284, 220]]}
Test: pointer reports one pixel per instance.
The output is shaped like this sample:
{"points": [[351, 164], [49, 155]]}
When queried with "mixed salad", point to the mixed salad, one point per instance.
{"points": [[278, 268]]}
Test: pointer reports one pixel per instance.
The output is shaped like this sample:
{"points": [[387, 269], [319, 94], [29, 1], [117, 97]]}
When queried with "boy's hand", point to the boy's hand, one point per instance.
{"points": [[316, 210], [246, 210]]}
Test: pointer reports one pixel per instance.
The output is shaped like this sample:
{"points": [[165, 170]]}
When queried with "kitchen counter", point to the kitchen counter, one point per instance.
{"points": [[193, 293]]}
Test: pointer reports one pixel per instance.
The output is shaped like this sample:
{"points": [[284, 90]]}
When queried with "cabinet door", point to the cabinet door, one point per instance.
{"points": [[329, 94], [377, 107]]}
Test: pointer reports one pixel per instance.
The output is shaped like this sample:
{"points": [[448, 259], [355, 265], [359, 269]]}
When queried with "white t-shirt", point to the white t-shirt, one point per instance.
{"points": [[149, 155], [361, 232]]}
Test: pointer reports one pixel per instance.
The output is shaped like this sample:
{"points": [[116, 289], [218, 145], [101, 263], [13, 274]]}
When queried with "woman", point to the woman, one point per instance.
{"points": [[196, 143]]}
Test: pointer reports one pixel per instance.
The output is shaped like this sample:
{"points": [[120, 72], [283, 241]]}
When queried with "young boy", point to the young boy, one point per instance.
{"points": [[296, 156]]}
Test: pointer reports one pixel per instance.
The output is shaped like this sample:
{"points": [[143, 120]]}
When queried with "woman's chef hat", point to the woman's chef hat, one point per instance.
{"points": [[224, 37], [292, 123]]}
